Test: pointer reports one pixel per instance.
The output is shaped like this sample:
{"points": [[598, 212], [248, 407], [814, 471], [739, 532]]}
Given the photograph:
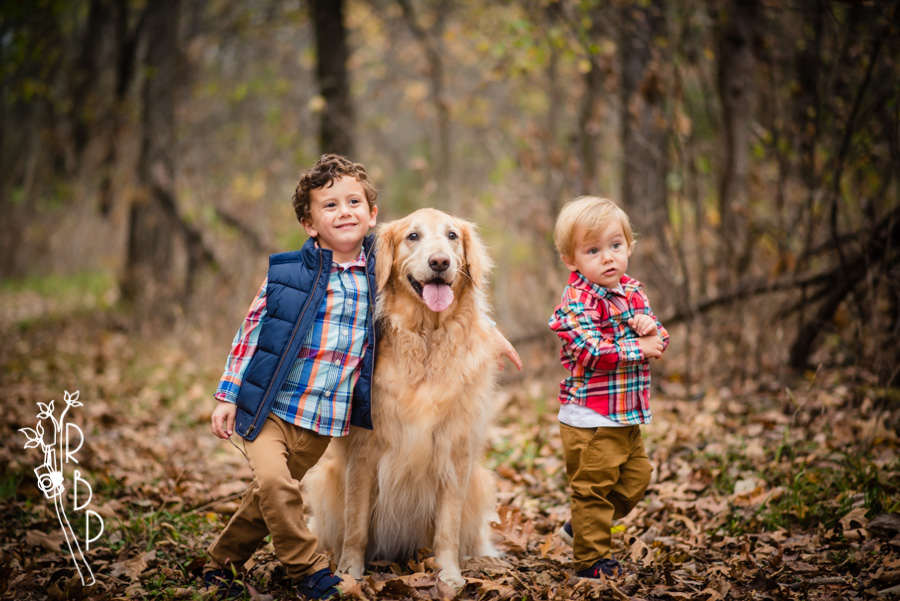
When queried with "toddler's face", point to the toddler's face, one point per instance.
{"points": [[601, 256]]}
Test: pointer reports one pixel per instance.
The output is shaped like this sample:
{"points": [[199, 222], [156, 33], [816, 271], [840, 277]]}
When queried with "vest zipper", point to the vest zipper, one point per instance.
{"points": [[372, 302], [290, 340]]}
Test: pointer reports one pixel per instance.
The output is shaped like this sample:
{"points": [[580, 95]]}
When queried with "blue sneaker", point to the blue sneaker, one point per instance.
{"points": [[321, 585], [607, 567]]}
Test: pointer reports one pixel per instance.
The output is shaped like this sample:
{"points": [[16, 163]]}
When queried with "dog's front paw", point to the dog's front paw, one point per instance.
{"points": [[352, 563], [452, 577]]}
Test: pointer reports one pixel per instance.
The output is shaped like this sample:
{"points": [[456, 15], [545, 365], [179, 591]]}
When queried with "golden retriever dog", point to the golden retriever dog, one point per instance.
{"points": [[416, 480]]}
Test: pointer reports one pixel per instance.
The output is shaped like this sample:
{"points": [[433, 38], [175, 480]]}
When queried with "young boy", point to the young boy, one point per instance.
{"points": [[300, 372], [609, 333]]}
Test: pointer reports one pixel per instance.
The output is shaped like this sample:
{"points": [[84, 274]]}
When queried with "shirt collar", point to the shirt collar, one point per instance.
{"points": [[359, 261], [628, 284]]}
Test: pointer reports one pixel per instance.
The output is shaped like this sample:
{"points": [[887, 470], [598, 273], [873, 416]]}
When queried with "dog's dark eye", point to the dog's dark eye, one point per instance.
{"points": [[452, 236], [412, 236]]}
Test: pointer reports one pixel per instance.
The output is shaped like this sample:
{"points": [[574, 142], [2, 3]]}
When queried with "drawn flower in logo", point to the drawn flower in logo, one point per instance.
{"points": [[51, 477]]}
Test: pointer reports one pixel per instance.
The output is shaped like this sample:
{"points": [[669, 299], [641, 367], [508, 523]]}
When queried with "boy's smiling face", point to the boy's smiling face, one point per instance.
{"points": [[601, 256], [340, 218]]}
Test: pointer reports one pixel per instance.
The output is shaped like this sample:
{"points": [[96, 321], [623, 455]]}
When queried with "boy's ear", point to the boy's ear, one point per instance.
{"points": [[385, 245], [567, 261], [308, 226]]}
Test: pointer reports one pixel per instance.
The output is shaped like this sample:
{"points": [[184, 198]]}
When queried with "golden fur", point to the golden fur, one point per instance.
{"points": [[416, 480]]}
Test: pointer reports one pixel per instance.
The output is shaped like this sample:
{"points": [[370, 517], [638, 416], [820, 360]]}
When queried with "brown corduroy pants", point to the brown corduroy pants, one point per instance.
{"points": [[280, 456], [608, 471]]}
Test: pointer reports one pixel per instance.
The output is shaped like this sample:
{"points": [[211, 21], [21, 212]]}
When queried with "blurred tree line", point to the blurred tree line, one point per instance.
{"points": [[755, 144]]}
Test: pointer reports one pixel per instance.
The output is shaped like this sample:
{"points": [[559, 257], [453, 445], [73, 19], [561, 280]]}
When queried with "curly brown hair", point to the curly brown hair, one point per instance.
{"points": [[328, 168]]}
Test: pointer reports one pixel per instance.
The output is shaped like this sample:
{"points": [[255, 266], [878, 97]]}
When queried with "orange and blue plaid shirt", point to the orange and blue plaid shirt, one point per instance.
{"points": [[319, 387], [609, 371]]}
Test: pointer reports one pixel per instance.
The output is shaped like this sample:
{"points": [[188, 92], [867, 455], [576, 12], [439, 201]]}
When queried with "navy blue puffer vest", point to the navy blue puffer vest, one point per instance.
{"points": [[295, 289]]}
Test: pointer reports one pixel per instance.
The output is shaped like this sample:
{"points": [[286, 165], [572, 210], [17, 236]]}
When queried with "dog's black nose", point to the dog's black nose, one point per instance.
{"points": [[439, 262]]}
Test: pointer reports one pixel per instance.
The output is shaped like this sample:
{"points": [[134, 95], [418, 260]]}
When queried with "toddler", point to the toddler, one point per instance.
{"points": [[608, 334]]}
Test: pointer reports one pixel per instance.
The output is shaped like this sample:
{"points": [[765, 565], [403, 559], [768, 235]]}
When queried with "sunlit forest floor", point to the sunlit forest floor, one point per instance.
{"points": [[760, 491]]}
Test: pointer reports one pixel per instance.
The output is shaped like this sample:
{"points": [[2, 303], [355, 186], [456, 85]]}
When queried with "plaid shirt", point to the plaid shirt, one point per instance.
{"points": [[609, 371], [319, 385]]}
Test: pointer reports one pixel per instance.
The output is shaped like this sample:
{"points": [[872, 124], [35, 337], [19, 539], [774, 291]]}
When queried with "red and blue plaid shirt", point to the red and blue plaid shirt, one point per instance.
{"points": [[609, 371], [319, 387]]}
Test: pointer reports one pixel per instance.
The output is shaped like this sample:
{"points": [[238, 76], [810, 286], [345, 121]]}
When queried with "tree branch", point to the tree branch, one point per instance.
{"points": [[880, 239]]}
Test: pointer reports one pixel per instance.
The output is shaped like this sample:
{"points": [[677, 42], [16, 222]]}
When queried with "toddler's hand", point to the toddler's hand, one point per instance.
{"points": [[223, 419], [643, 324], [651, 345]]}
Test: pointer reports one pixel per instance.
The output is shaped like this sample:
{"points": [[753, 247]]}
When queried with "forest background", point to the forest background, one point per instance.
{"points": [[148, 152]]}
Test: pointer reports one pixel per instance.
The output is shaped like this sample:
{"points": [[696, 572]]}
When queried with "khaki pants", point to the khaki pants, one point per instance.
{"points": [[608, 472], [279, 457]]}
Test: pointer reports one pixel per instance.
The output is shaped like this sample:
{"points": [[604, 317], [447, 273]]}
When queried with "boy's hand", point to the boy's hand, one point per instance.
{"points": [[651, 345], [643, 324], [506, 349], [223, 419]]}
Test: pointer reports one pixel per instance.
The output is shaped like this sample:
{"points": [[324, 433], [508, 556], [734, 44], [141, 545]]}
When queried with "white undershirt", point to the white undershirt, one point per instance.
{"points": [[583, 417]]}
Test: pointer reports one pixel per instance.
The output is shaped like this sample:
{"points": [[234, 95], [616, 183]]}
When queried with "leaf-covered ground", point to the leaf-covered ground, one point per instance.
{"points": [[763, 492]]}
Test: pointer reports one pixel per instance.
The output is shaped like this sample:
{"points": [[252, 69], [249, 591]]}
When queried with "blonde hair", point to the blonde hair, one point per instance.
{"points": [[587, 214]]}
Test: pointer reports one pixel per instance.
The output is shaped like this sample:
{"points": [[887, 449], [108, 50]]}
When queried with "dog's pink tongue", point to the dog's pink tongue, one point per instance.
{"points": [[437, 296]]}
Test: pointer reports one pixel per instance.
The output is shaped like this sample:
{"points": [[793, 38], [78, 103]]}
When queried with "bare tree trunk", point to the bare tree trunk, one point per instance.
{"points": [[85, 74], [126, 43], [149, 273], [735, 84], [155, 268], [644, 139], [551, 159], [431, 46], [588, 133], [337, 124], [10, 235]]}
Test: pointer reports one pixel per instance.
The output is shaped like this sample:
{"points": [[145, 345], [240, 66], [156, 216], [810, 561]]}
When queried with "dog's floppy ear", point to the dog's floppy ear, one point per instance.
{"points": [[478, 263], [385, 244]]}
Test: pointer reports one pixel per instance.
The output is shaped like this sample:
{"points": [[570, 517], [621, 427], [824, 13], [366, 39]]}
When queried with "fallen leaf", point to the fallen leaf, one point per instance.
{"points": [[486, 563], [513, 528], [854, 519], [133, 567], [885, 525], [351, 588], [801, 567], [487, 586], [639, 552], [48, 542]]}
